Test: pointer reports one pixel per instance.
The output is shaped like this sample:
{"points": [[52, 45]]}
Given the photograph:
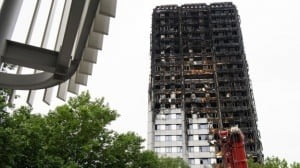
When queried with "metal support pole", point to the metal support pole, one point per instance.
{"points": [[8, 18]]}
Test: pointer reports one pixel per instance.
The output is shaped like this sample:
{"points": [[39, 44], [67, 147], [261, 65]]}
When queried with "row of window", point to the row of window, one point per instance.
{"points": [[202, 161], [203, 14], [197, 126], [233, 93], [172, 96], [201, 105], [166, 60], [225, 22], [194, 13], [201, 94], [234, 104], [167, 106], [178, 149], [231, 75], [198, 137], [198, 67], [167, 138], [201, 87], [167, 28], [168, 14], [168, 116], [232, 84], [201, 149], [168, 86], [187, 95], [167, 68], [225, 49], [204, 114], [197, 27], [225, 32], [168, 127], [169, 21], [162, 36], [173, 149], [196, 50], [225, 11], [226, 41], [186, 58]]}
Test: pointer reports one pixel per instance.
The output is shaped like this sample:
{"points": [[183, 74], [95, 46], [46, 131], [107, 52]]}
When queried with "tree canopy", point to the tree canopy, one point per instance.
{"points": [[73, 135], [273, 162]]}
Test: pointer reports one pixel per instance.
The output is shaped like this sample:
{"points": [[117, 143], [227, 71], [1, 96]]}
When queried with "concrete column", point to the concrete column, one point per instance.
{"points": [[8, 17]]}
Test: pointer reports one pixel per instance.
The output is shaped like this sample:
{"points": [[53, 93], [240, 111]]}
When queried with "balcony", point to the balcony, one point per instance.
{"points": [[235, 88], [167, 143], [168, 121], [201, 155], [198, 143], [198, 131], [168, 132], [197, 120]]}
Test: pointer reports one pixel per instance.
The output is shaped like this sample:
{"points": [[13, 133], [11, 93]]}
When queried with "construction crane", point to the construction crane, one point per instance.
{"points": [[233, 148]]}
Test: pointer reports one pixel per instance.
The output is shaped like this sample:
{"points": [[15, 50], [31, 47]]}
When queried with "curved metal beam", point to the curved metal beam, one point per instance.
{"points": [[28, 81], [62, 72]]}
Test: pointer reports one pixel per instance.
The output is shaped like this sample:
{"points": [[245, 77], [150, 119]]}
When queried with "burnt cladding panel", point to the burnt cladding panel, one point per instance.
{"points": [[200, 96], [236, 100], [165, 60]]}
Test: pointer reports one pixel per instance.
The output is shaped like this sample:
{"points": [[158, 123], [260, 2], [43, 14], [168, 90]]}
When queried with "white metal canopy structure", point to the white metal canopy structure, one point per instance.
{"points": [[82, 27]]}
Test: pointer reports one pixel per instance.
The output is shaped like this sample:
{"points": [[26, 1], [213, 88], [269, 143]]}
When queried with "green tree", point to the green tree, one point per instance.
{"points": [[6, 144], [275, 162], [5, 93], [252, 164], [73, 135], [166, 162], [4, 103], [295, 165], [148, 159], [124, 150]]}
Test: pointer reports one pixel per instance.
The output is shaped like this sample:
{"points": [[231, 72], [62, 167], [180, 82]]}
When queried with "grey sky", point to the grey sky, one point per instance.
{"points": [[271, 39]]}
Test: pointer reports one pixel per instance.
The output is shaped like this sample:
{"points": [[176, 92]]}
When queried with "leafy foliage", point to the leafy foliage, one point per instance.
{"points": [[295, 165], [273, 162], [73, 135], [5, 93], [166, 162], [4, 104], [252, 164]]}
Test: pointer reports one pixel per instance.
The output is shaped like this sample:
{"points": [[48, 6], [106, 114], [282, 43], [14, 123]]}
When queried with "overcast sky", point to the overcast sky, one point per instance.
{"points": [[272, 44]]}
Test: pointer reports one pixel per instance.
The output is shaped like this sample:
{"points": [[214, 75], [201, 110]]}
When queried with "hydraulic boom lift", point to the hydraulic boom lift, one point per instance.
{"points": [[233, 148]]}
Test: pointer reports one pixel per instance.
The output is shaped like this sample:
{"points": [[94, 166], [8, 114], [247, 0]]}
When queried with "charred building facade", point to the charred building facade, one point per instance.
{"points": [[199, 83]]}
